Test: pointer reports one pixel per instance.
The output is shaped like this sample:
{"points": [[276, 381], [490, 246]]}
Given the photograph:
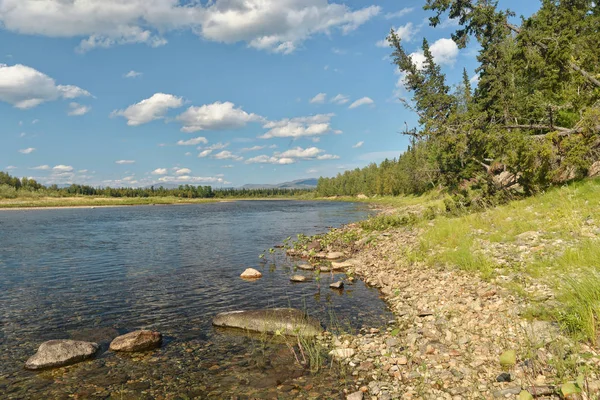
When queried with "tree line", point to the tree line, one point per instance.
{"points": [[11, 186], [533, 119]]}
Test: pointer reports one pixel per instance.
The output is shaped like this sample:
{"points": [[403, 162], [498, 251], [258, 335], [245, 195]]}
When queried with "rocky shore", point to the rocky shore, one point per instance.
{"points": [[451, 330]]}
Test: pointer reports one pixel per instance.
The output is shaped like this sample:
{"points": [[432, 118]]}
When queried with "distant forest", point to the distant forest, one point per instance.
{"points": [[532, 120], [12, 187]]}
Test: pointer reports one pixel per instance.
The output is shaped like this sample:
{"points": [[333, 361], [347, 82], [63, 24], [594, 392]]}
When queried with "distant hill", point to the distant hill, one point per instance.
{"points": [[310, 183]]}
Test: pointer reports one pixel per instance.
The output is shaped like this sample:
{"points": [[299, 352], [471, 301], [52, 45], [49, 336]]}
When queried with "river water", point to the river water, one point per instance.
{"points": [[92, 274]]}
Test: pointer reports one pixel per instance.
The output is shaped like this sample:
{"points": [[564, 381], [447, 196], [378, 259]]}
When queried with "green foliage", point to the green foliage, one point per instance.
{"points": [[535, 112]]}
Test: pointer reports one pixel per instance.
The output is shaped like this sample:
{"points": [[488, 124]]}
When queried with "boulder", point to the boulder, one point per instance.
{"points": [[338, 266], [342, 354], [314, 245], [251, 273], [362, 196], [355, 396], [305, 267], [336, 255], [287, 321], [337, 285], [594, 169], [298, 278], [324, 268], [137, 341], [59, 353]]}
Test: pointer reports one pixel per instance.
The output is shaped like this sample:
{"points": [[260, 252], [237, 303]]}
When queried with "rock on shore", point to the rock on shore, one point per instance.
{"points": [[137, 341], [287, 321], [60, 353]]}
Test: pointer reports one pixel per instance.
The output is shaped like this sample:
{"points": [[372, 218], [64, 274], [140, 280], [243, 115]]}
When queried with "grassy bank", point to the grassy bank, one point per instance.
{"points": [[92, 201], [545, 248]]}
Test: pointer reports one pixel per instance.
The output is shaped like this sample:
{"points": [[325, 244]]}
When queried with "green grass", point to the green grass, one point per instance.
{"points": [[565, 251]]}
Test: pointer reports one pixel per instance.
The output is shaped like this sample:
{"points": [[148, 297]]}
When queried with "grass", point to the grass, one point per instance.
{"points": [[559, 231]]}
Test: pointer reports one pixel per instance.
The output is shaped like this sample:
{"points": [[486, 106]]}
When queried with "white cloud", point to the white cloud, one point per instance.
{"points": [[318, 99], [292, 156], [358, 145], [298, 127], [192, 142], [183, 171], [405, 32], [444, 51], [216, 116], [149, 110], [62, 168], [41, 168], [474, 80], [227, 155], [272, 25], [28, 150], [206, 151], [253, 148], [400, 13], [35, 121], [76, 109], [25, 87], [133, 74], [125, 162], [191, 179], [340, 99], [11, 167], [360, 102], [160, 171], [227, 166]]}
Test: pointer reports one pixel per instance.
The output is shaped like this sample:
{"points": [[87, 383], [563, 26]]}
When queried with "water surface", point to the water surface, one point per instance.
{"points": [[92, 274]]}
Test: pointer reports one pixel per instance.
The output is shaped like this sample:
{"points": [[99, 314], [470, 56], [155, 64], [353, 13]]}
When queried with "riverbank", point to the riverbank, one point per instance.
{"points": [[487, 305], [93, 201]]}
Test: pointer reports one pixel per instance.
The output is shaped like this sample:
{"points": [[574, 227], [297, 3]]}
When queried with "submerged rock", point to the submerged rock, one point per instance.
{"points": [[59, 353], [337, 285], [305, 267], [298, 278], [287, 321], [251, 273], [137, 341]]}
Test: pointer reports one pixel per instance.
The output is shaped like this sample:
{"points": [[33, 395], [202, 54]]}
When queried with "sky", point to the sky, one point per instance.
{"points": [[212, 92]]}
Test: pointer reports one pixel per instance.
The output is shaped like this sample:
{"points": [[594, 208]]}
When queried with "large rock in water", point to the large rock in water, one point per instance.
{"points": [[251, 274], [287, 321], [59, 353], [137, 341]]}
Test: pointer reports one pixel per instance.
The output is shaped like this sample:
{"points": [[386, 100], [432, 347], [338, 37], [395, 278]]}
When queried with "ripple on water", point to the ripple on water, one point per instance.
{"points": [[92, 274]]}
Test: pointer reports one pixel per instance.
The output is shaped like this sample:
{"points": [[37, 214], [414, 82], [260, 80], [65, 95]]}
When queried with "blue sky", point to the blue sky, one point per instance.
{"points": [[219, 92]]}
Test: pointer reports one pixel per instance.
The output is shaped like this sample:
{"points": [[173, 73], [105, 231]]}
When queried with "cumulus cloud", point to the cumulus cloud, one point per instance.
{"points": [[192, 142], [76, 109], [405, 32], [318, 99], [358, 145], [183, 171], [25, 87], [340, 99], [444, 51], [361, 102], [399, 13], [133, 74], [227, 155], [62, 168], [292, 156], [216, 116], [272, 25], [125, 162], [298, 127], [28, 150], [41, 168], [206, 151], [160, 171], [148, 110]]}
